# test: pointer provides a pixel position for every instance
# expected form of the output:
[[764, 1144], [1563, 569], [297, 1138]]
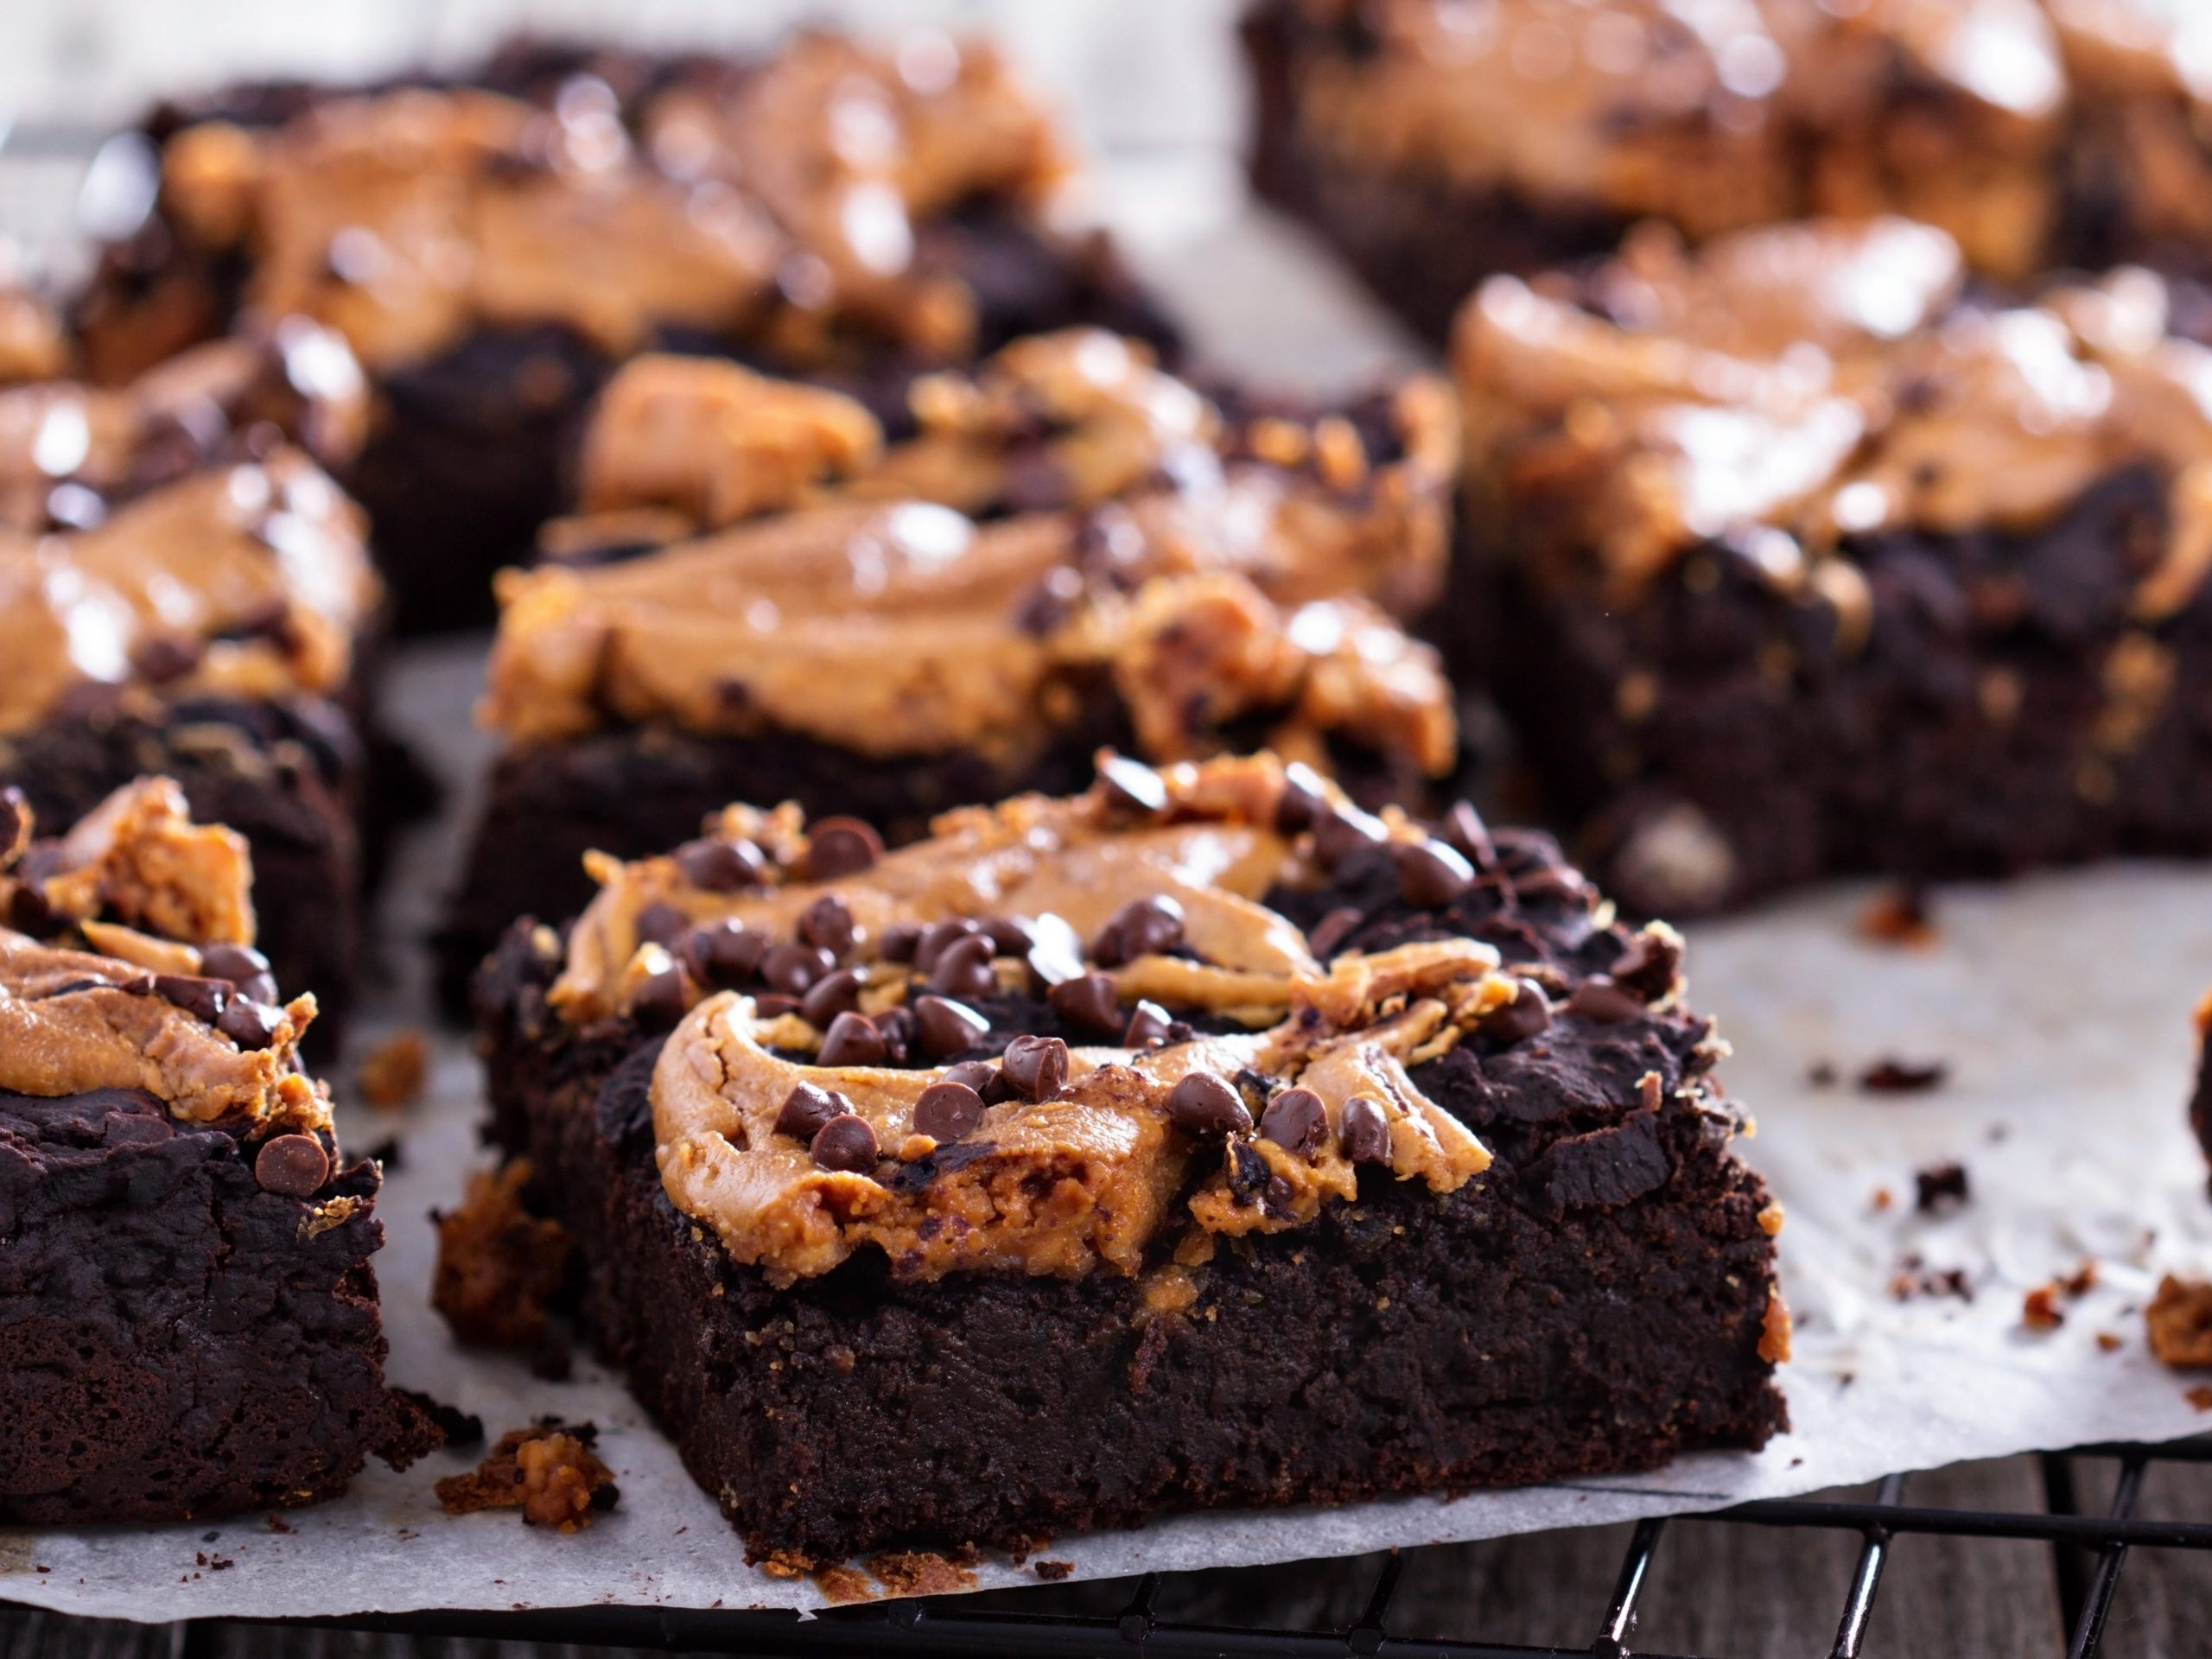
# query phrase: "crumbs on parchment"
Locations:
[[547, 1471]]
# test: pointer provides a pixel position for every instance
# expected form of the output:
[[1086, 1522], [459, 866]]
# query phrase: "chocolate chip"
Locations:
[[829, 996], [963, 969], [1527, 1015], [1430, 873], [716, 866], [936, 940], [28, 910], [204, 999], [773, 1005], [659, 924], [998, 1089], [1148, 1025], [852, 1039], [236, 962], [828, 922], [165, 657], [978, 1075], [1600, 1001], [847, 1143], [1131, 786], [249, 1024], [1014, 936], [723, 953], [1089, 1004], [943, 1027], [794, 969], [807, 1107], [1364, 1132], [897, 942], [1143, 927], [15, 824], [660, 1000], [1049, 601], [896, 1027], [1248, 1172], [1463, 829], [1033, 481], [1301, 800], [1332, 930], [838, 846], [1296, 1121], [1202, 1103], [948, 1111], [1340, 831], [1037, 1066], [291, 1166]]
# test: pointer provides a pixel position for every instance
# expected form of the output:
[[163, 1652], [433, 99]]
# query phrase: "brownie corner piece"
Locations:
[[1385, 1177], [189, 1323]]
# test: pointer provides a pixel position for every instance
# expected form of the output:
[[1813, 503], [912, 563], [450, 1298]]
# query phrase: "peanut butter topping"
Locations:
[[780, 203], [32, 345], [2143, 71], [796, 1133], [861, 599], [1788, 389], [139, 972]]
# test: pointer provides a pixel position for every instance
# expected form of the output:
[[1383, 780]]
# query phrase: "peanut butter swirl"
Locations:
[[848, 590], [1094, 1153], [780, 201], [1785, 390], [137, 970]]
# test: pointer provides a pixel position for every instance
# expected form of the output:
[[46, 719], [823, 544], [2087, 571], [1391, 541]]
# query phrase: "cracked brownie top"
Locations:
[[1202, 1058], [127, 962], [1066, 518]]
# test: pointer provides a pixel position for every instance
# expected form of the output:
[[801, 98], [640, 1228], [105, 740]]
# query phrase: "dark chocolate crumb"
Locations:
[[1891, 1076], [1939, 1184]]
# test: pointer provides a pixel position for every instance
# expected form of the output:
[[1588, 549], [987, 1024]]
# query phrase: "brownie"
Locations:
[[768, 598], [493, 244], [2200, 1104], [1793, 555], [188, 1318], [187, 592], [1202, 1141]]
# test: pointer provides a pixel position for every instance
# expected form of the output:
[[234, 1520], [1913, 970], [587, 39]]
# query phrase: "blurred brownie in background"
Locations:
[[1790, 556], [493, 244], [770, 598]]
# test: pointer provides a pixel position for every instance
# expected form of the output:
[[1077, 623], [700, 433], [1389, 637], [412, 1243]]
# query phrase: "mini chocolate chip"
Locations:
[[963, 969], [1600, 1001], [1430, 873], [1038, 1066], [948, 1111], [828, 922], [1143, 927], [896, 1027], [847, 1143], [291, 1166], [241, 964], [1277, 1198], [897, 942], [773, 1005], [249, 1024], [1463, 829], [1032, 480], [1247, 1170], [972, 1074], [998, 1088], [204, 999], [1049, 600], [1014, 936], [28, 910], [1148, 1025], [807, 1107], [1132, 786], [1089, 1004], [1364, 1132], [1296, 1121], [660, 999], [794, 969], [1340, 831], [165, 657], [838, 846], [935, 941], [15, 824], [852, 1039], [829, 996], [723, 953], [716, 866], [659, 924], [1527, 1015], [1301, 800], [1202, 1103], [944, 1027], [1332, 930]]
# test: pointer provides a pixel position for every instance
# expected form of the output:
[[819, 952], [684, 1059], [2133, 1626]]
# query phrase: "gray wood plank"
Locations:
[[2163, 1606], [51, 1636]]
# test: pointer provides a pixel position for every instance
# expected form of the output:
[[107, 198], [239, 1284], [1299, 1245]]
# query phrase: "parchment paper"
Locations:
[[2061, 1006]]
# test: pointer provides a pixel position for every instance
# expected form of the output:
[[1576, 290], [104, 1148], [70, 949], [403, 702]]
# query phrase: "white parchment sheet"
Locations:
[[2061, 1006]]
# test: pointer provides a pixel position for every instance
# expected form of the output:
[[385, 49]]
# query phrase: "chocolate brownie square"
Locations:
[[1202, 1141], [1799, 557], [771, 598], [184, 591], [493, 244], [189, 1321], [1433, 144]]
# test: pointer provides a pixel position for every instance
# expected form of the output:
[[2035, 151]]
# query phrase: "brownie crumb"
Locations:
[[2109, 1342], [1899, 916], [1940, 1186], [498, 1265], [547, 1471], [919, 1573], [390, 1153], [2180, 1321], [1891, 1076], [844, 1584], [462, 1430], [2039, 1309], [1053, 1572], [2200, 1396], [1881, 1200], [277, 1523], [1821, 1074], [1915, 1278], [392, 1073]]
